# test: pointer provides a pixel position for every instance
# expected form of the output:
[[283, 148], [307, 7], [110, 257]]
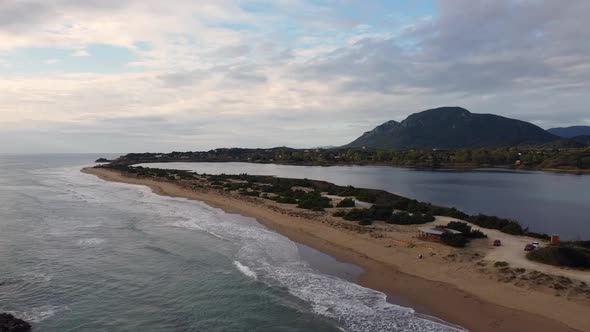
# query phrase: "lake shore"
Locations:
[[424, 167], [451, 290]]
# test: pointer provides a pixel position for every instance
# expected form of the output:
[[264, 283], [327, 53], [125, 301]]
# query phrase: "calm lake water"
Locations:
[[81, 254], [546, 202]]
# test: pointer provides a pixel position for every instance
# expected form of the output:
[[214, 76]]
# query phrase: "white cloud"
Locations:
[[79, 53], [212, 74]]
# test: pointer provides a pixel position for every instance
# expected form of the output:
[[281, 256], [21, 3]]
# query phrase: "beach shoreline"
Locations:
[[476, 305]]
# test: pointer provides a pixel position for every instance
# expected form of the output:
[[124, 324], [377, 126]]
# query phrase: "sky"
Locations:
[[186, 75]]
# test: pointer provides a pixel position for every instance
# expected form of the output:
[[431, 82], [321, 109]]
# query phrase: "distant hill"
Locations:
[[570, 132], [452, 128]]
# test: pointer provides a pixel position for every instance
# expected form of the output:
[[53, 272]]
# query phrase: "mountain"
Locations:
[[452, 128], [570, 132]]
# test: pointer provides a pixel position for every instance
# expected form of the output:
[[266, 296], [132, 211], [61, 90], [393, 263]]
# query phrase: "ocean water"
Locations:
[[545, 202], [81, 254]]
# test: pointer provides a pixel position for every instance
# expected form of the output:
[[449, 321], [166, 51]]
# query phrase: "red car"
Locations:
[[497, 243], [529, 247]]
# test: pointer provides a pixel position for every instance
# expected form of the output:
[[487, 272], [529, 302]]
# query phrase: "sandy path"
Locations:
[[512, 251]]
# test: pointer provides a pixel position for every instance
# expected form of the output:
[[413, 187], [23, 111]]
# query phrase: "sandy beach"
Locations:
[[458, 286]]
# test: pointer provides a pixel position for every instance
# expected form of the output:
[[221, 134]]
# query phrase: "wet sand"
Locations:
[[460, 297]]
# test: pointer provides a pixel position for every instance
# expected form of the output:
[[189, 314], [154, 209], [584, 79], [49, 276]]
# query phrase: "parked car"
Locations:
[[497, 243], [536, 245], [529, 247]]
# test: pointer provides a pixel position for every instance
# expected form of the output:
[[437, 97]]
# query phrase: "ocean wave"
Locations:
[[37, 277], [38, 314], [26, 279], [269, 257], [191, 224], [246, 270], [277, 263], [90, 242], [357, 308], [266, 256]]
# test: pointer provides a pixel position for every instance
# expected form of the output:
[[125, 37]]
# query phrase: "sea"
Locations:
[[81, 254]]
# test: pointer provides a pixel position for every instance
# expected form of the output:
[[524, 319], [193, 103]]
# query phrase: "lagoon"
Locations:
[[545, 202]]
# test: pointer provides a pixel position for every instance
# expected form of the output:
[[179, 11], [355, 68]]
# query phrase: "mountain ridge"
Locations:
[[570, 132], [452, 127]]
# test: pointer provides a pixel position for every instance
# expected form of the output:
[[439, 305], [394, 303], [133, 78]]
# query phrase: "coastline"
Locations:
[[474, 303]]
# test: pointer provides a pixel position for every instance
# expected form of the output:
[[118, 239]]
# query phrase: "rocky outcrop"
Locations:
[[9, 323]]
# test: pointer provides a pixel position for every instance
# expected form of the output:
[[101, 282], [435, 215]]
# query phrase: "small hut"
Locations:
[[435, 233]]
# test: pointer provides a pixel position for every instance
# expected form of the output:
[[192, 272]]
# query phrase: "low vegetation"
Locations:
[[314, 201], [347, 202], [552, 156], [568, 254], [504, 225], [466, 230], [408, 211], [253, 193], [404, 218], [386, 214], [461, 240], [454, 240]]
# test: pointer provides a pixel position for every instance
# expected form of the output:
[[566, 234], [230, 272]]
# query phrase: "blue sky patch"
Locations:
[[92, 59]]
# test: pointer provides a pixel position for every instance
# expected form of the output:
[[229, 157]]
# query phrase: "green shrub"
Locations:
[[346, 191], [347, 202], [565, 255], [358, 214], [466, 230], [339, 214], [504, 225], [366, 196], [501, 264], [459, 226], [253, 193], [285, 200], [381, 212], [314, 201], [512, 228], [454, 240], [404, 218]]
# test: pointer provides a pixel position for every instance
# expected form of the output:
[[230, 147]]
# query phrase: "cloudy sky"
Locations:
[[152, 75]]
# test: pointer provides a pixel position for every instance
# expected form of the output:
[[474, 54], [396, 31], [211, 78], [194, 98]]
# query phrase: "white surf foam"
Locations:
[[269, 257], [189, 223], [246, 270], [38, 314], [90, 242]]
